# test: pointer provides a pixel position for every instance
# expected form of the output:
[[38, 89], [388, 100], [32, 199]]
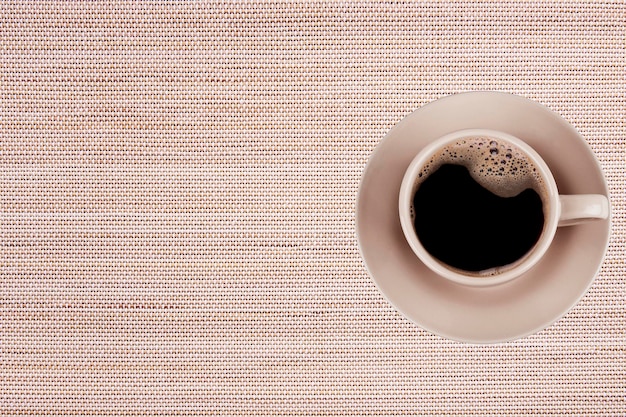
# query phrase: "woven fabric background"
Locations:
[[178, 184]]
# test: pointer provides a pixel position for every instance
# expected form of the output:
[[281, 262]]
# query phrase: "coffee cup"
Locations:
[[481, 207]]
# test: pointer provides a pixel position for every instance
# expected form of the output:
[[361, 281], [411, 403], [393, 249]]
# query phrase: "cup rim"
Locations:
[[525, 263]]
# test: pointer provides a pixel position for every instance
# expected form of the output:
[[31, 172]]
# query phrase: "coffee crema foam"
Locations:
[[498, 166]]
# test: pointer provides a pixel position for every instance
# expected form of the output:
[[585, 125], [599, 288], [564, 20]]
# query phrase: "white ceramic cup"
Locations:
[[563, 210]]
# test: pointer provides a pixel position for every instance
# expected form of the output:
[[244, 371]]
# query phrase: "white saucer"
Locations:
[[481, 314]]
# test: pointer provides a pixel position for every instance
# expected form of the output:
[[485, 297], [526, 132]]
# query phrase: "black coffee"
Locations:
[[476, 226]]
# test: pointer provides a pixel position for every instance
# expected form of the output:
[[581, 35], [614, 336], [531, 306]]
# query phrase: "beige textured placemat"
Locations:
[[178, 183]]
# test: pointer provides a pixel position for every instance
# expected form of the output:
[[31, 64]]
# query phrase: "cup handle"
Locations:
[[581, 208]]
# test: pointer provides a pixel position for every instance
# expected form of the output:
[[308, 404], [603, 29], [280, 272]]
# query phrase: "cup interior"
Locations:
[[423, 166]]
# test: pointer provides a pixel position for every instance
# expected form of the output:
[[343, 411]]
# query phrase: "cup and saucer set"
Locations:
[[446, 258]]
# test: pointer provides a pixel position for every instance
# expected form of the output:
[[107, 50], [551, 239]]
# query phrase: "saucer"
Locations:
[[503, 312]]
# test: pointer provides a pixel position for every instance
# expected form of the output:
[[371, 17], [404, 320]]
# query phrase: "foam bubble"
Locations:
[[497, 165]]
